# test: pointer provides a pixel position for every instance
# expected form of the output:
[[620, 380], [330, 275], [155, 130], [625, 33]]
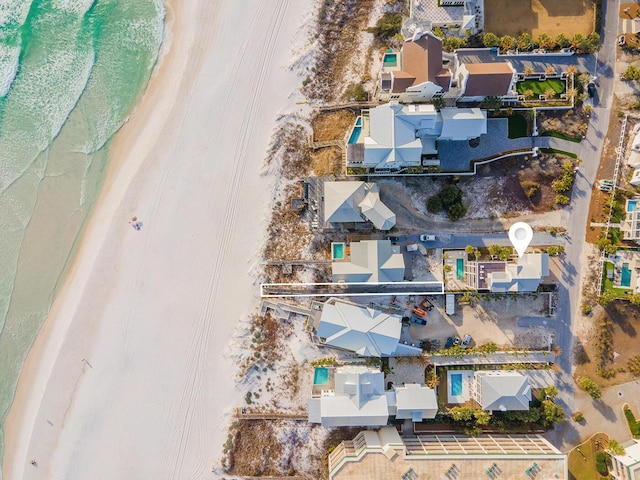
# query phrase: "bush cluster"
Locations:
[[581, 43], [450, 199], [590, 387]]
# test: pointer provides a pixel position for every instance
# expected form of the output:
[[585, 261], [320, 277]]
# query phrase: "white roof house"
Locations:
[[524, 276], [501, 390], [363, 330], [627, 466], [347, 202], [463, 123], [415, 402], [630, 226], [370, 261], [396, 136], [358, 399]]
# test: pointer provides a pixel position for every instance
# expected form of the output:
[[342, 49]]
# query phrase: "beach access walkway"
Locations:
[[243, 413], [353, 289]]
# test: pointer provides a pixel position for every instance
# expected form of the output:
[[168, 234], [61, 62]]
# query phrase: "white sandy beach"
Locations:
[[130, 376]]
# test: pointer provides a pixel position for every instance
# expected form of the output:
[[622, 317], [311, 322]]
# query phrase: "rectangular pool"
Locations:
[[632, 205], [321, 376], [625, 277], [460, 268], [355, 134], [455, 384], [337, 251], [390, 60]]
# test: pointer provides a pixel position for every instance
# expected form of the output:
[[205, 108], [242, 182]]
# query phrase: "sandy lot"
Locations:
[[505, 17]]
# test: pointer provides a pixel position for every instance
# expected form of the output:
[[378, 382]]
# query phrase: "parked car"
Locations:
[[466, 340], [622, 40], [427, 238], [412, 247], [456, 340], [418, 320], [591, 89], [449, 343]]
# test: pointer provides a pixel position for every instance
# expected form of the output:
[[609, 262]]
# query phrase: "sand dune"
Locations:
[[130, 376]]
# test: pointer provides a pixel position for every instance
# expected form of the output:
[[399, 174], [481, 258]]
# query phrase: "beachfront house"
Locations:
[[354, 395], [353, 205], [627, 466], [525, 275], [393, 137], [384, 454], [630, 226], [355, 328], [367, 261], [500, 390], [455, 17], [416, 73], [480, 80]]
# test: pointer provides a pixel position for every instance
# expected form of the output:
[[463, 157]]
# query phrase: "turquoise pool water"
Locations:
[[460, 268], [321, 376], [455, 384], [625, 277], [359, 122], [355, 134], [632, 205], [390, 60], [338, 250]]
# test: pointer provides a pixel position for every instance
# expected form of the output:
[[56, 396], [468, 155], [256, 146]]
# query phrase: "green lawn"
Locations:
[[517, 126], [634, 425], [608, 282], [564, 136], [582, 459], [539, 87]]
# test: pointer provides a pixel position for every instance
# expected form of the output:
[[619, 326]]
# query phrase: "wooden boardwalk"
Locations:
[[248, 415]]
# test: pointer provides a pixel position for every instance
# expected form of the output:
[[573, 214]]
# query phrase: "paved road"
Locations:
[[590, 151], [461, 240]]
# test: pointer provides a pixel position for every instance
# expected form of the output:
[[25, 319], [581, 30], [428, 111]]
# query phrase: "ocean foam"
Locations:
[[78, 7], [9, 62], [13, 13]]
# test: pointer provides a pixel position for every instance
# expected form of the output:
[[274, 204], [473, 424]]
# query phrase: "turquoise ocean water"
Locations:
[[70, 73]]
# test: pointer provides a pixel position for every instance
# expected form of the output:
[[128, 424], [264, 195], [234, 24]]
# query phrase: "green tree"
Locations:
[[524, 42], [615, 448], [593, 41], [554, 250], [562, 200], [507, 43], [551, 391], [562, 41], [492, 103], [632, 73], [387, 26], [453, 43], [439, 103], [462, 413], [601, 463], [434, 204], [546, 42], [489, 347], [635, 299], [494, 249], [456, 211], [450, 194], [468, 249], [590, 387], [482, 417], [551, 413], [505, 253], [490, 40], [607, 297]]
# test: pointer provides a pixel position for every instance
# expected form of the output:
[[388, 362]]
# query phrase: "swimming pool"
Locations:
[[632, 205], [321, 376], [455, 384], [337, 251], [625, 277], [460, 268], [355, 134], [390, 60]]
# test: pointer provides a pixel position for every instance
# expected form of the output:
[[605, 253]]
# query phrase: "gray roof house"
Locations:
[[370, 261], [363, 330], [501, 390], [356, 202], [396, 136], [524, 276], [358, 399]]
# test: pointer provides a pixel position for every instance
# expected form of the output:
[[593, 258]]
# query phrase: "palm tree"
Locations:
[[528, 93], [549, 93], [550, 70], [572, 70], [572, 93], [528, 71]]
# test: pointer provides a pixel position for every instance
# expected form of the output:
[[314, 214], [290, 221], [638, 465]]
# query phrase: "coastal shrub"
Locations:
[[601, 463], [530, 188], [387, 26], [578, 417], [615, 448], [434, 204], [554, 250], [633, 365], [590, 387], [456, 211], [634, 426], [355, 91]]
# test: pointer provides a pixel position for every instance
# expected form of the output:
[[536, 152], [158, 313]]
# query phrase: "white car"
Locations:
[[427, 238]]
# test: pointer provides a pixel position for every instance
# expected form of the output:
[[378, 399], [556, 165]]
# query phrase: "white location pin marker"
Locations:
[[520, 235]]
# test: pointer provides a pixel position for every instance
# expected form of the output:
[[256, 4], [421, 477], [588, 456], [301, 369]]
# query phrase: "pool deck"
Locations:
[[467, 376], [633, 260]]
